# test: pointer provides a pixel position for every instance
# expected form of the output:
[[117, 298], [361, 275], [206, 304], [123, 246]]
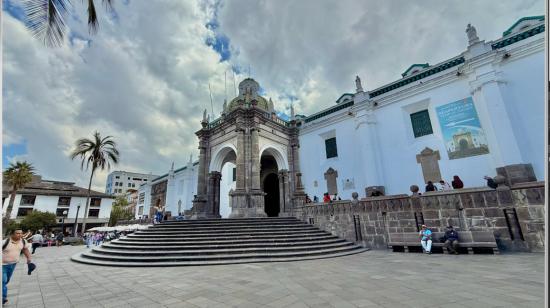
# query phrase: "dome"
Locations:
[[248, 95]]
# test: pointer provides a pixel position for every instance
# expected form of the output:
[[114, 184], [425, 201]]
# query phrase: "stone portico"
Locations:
[[263, 147]]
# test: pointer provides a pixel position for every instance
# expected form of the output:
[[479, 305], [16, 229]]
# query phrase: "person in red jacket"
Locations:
[[457, 182]]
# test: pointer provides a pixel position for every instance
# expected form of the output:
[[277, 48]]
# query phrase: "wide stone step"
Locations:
[[229, 227], [267, 242], [221, 246], [104, 262], [214, 257], [234, 238], [230, 221], [227, 234], [220, 250], [225, 230]]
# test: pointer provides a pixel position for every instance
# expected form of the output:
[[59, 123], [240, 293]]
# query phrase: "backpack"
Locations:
[[5, 244]]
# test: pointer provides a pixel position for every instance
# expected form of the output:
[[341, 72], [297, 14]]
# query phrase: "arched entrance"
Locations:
[[270, 184], [221, 180], [271, 190]]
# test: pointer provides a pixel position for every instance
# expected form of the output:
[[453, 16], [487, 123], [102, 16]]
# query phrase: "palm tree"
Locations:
[[16, 176], [46, 19], [99, 153]]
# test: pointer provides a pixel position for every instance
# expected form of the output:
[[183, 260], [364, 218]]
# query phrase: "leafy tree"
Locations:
[[16, 176], [120, 211], [11, 226], [46, 19], [97, 152], [37, 220]]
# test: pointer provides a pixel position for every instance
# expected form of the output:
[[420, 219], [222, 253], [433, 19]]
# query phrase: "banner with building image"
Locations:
[[461, 129]]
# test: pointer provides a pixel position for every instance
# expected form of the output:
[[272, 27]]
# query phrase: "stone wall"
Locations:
[[516, 215]]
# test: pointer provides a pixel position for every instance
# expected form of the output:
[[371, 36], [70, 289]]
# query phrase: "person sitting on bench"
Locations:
[[451, 240], [426, 239]]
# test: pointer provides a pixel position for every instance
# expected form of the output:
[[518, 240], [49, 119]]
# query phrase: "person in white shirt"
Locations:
[[36, 240], [444, 185]]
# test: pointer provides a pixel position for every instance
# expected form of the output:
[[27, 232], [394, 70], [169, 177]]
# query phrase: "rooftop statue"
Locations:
[[472, 34]]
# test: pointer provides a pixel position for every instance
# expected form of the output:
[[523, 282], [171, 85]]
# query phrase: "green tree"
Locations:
[[10, 227], [99, 153], [120, 211], [37, 220], [16, 176], [46, 19]]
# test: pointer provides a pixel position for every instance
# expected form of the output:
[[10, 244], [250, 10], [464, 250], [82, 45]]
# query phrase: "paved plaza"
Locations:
[[370, 279]]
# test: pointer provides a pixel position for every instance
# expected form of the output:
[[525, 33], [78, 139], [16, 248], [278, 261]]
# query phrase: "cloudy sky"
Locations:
[[144, 77]]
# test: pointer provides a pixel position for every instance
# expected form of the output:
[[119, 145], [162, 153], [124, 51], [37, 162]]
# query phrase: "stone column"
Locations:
[[284, 200], [199, 209], [214, 194], [255, 160], [494, 118], [365, 126], [240, 161]]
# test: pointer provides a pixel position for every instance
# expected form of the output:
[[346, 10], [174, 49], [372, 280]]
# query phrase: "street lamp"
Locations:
[[63, 221], [76, 220]]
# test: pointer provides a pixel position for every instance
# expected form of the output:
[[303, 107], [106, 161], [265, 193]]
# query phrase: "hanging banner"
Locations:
[[461, 129]]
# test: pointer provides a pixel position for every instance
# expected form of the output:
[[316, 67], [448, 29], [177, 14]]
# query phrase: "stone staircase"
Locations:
[[220, 241]]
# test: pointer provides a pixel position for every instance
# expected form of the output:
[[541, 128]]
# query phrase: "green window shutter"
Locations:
[[421, 123], [331, 149]]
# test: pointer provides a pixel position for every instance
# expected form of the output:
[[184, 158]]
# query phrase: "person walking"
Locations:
[[457, 182], [59, 239], [451, 240], [426, 239], [37, 240], [12, 248]]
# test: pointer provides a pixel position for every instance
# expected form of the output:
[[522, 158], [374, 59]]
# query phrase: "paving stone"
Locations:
[[371, 279]]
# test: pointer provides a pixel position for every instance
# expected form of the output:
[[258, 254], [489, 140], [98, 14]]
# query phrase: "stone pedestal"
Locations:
[[369, 190], [517, 173], [200, 210], [247, 204]]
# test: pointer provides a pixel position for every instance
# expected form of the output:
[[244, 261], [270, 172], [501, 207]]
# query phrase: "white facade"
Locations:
[[118, 182], [502, 81], [61, 198], [50, 204], [375, 141], [181, 187]]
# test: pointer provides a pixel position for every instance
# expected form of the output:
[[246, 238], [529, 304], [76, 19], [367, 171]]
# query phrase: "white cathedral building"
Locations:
[[476, 114]]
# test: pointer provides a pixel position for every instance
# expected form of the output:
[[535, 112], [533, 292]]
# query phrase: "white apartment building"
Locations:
[[119, 182]]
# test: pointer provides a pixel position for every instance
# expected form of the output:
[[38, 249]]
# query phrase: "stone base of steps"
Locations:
[[80, 259], [241, 244], [220, 241]]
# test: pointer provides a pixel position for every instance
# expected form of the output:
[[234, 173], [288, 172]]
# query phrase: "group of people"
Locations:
[[456, 183], [327, 198], [97, 238], [450, 239]]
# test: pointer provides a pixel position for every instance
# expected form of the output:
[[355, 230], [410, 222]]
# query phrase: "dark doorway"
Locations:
[[271, 188]]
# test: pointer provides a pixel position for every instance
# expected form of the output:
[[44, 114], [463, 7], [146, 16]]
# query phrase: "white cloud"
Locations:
[[144, 77]]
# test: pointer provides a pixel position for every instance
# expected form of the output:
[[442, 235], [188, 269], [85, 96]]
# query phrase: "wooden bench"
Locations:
[[466, 239]]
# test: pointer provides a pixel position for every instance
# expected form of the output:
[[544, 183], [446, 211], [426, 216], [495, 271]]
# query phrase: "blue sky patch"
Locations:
[[220, 43], [14, 9], [12, 150]]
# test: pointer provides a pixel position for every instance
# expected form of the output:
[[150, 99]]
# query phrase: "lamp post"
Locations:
[[76, 220], [63, 222]]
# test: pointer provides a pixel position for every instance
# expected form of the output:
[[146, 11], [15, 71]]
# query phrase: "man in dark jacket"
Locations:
[[451, 240]]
